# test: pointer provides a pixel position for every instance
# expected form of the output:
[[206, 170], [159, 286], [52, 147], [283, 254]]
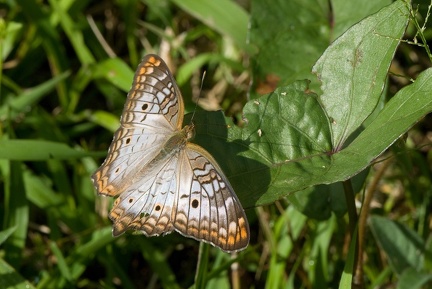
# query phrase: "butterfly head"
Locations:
[[189, 131]]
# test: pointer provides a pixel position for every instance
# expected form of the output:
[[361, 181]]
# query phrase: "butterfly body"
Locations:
[[163, 181]]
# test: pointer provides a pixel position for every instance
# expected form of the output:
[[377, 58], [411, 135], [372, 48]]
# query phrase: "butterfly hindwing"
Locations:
[[207, 207], [148, 205]]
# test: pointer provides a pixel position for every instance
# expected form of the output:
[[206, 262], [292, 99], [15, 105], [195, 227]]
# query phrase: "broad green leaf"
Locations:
[[354, 68], [348, 12], [289, 36], [320, 201], [286, 145], [289, 133], [406, 108], [269, 153], [404, 247], [224, 16]]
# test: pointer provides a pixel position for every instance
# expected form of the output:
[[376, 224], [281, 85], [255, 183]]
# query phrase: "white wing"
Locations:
[[152, 113], [165, 183]]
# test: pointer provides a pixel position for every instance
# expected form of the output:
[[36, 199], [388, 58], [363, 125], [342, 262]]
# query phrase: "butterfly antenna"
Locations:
[[199, 95]]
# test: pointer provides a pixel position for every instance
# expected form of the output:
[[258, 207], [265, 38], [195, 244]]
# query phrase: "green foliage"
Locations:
[[296, 152]]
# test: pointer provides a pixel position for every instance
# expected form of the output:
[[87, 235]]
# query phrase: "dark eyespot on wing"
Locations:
[[195, 203]]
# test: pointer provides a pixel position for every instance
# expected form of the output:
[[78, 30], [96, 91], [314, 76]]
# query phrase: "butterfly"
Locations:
[[163, 182]]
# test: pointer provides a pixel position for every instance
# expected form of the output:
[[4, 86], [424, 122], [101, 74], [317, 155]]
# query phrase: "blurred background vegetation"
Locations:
[[66, 69]]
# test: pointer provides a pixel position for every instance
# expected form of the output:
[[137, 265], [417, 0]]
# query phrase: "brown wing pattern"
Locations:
[[207, 207]]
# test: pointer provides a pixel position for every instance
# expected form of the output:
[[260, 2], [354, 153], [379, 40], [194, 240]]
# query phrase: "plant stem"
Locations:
[[350, 201], [352, 218], [364, 213]]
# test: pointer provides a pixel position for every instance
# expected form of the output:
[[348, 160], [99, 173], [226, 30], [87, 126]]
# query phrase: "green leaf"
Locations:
[[347, 275], [9, 31], [38, 150], [202, 266], [30, 96], [281, 246], [115, 71], [61, 262], [6, 233], [320, 201], [16, 210], [105, 119], [413, 279], [406, 108], [403, 247], [286, 145], [74, 33], [39, 193], [290, 36], [10, 278], [348, 12], [224, 16], [189, 68], [354, 68], [36, 14], [263, 156], [157, 260]]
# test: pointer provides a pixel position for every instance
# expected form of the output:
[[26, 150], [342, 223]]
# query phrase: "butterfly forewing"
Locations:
[[154, 94], [153, 111], [164, 182]]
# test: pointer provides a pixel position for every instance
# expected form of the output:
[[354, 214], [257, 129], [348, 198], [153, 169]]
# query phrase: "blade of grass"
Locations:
[[202, 267], [10, 278], [16, 211], [40, 150], [31, 96], [61, 262], [347, 275]]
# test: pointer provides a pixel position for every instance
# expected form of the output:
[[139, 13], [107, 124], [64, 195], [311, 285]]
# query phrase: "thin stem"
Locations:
[[352, 216], [364, 213], [350, 201]]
